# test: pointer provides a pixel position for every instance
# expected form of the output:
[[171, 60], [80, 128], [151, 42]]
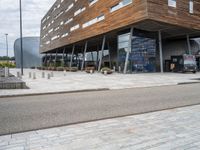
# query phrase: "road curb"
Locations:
[[182, 83], [52, 93]]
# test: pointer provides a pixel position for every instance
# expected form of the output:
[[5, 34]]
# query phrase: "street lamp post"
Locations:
[[7, 46], [21, 40]]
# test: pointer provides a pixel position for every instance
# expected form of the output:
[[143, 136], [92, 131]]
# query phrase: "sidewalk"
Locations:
[[82, 81], [176, 129]]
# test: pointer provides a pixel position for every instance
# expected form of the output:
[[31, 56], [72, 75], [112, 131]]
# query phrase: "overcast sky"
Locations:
[[33, 11]]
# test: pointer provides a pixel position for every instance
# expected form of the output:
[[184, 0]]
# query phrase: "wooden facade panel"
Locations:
[[160, 11], [139, 10], [125, 16]]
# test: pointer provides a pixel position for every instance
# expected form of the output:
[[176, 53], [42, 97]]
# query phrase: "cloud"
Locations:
[[33, 11]]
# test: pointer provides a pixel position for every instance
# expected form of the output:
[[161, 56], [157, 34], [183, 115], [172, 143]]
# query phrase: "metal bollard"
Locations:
[[91, 71], [52, 74], [43, 74], [34, 75], [64, 72], [6, 72], [119, 69], [48, 76], [30, 75], [114, 69], [19, 75]]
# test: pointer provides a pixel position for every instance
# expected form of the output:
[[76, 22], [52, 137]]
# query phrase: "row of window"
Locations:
[[91, 2], [172, 3], [101, 17], [121, 4], [87, 24]]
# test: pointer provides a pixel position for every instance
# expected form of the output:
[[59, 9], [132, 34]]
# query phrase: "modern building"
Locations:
[[31, 55], [137, 35]]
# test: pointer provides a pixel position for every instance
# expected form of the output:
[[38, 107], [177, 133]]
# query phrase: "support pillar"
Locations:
[[50, 59], [84, 53], [45, 60], [92, 56], [102, 50], [56, 58], [63, 56], [189, 46], [128, 51], [161, 51], [97, 60], [110, 65], [70, 65]]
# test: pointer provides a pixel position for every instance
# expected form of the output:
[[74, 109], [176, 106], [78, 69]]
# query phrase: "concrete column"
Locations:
[[97, 62], [50, 59], [92, 56], [84, 53], [188, 43], [110, 65], [102, 50], [161, 51], [128, 51], [72, 56], [56, 58], [45, 60], [63, 56]]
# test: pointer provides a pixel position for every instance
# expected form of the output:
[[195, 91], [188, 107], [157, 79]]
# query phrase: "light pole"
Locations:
[[21, 40], [7, 46]]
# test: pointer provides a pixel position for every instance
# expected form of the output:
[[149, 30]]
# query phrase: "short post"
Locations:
[[6, 72], [30, 75], [34, 75], [52, 74], [64, 72], [19, 75], [43, 74], [91, 71], [119, 69], [114, 69], [48, 76]]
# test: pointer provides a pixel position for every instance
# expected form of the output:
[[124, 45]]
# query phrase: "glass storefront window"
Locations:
[[143, 53]]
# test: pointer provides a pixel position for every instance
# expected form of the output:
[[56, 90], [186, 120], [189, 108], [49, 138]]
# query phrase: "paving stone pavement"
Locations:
[[175, 129], [73, 81]]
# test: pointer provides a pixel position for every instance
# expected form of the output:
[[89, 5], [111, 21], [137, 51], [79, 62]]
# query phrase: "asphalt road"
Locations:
[[36, 112]]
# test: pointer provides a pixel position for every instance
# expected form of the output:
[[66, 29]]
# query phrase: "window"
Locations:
[[68, 21], [48, 42], [75, 27], [55, 37], [93, 21], [69, 7], [122, 4], [172, 3], [51, 30], [91, 2], [79, 11], [191, 6], [65, 34]]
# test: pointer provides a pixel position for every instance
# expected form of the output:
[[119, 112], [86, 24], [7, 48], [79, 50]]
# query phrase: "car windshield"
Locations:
[[189, 62]]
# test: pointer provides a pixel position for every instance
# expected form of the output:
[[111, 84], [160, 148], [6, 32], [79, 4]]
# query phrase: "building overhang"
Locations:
[[168, 31]]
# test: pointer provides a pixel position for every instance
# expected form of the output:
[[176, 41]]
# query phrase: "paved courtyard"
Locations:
[[83, 81], [175, 129]]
